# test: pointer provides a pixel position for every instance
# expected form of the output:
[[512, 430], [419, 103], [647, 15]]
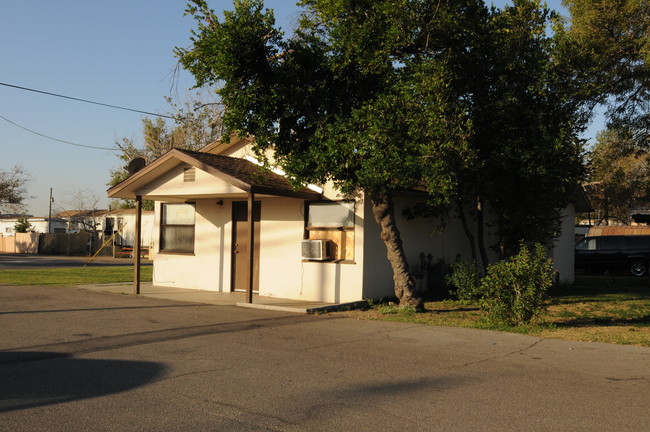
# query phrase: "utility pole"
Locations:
[[49, 216]]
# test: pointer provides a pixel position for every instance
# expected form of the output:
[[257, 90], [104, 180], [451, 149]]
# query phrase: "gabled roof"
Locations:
[[241, 173]]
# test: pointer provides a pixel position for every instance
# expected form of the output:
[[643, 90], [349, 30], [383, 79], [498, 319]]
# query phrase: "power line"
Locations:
[[84, 100], [56, 139]]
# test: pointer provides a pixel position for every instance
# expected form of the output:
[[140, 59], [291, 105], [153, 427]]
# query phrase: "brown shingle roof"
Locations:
[[259, 179]]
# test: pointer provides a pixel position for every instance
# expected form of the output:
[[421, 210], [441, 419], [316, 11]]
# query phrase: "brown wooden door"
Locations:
[[240, 239]]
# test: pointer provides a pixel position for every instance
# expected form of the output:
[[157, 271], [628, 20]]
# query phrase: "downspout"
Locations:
[[136, 246]]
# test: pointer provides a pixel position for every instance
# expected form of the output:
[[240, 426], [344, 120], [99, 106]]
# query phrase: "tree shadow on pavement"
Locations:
[[32, 379]]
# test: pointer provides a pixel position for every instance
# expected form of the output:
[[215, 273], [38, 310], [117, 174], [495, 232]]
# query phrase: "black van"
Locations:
[[603, 253]]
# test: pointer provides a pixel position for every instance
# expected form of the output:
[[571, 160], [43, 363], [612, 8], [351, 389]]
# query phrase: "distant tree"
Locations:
[[607, 45], [619, 175], [83, 211], [13, 187], [23, 226], [195, 124]]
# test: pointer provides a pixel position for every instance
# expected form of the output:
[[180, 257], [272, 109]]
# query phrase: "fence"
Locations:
[[77, 244], [20, 243]]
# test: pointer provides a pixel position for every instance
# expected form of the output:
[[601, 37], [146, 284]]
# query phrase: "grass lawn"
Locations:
[[596, 309], [65, 276]]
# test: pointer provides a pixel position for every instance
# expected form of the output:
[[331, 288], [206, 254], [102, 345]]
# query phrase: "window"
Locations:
[[177, 228], [587, 244], [610, 243], [333, 221], [639, 242]]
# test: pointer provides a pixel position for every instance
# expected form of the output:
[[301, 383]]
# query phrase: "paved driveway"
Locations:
[[77, 360]]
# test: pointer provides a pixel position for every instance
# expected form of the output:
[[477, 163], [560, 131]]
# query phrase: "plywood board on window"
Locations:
[[342, 242]]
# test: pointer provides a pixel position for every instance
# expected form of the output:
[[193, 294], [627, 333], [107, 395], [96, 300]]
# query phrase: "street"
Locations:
[[77, 360], [18, 261]]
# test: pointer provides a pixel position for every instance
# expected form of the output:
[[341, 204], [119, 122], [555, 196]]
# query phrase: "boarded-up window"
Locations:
[[333, 221]]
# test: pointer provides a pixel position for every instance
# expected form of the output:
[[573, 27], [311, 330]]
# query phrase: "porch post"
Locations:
[[136, 246], [251, 248]]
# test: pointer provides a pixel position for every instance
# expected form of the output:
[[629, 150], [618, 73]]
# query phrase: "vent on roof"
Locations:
[[189, 174]]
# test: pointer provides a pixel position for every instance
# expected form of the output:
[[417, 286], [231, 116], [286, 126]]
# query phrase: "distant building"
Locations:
[[82, 220], [39, 224]]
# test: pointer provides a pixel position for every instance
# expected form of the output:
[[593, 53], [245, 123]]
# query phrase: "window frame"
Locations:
[[164, 226], [331, 232]]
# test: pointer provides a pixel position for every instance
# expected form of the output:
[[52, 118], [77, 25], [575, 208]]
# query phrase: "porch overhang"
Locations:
[[240, 178]]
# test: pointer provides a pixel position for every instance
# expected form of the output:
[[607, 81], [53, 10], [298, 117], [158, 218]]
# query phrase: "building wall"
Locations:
[[444, 241], [39, 225], [563, 253], [209, 267], [126, 236], [283, 273]]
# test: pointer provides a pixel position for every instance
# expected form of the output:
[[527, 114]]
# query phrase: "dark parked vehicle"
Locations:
[[614, 253]]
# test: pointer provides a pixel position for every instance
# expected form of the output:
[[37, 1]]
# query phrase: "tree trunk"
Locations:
[[383, 209], [468, 232], [480, 222]]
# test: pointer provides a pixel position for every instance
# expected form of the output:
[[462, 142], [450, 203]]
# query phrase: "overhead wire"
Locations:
[[84, 100], [75, 99], [56, 139]]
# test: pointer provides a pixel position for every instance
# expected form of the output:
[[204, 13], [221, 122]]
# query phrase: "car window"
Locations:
[[608, 243], [587, 244], [641, 242]]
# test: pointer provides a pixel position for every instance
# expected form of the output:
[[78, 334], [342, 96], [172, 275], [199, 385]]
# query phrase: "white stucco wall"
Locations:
[[283, 273], [336, 282], [420, 235], [563, 253], [208, 268]]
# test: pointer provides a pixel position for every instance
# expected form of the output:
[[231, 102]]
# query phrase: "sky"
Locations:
[[117, 52]]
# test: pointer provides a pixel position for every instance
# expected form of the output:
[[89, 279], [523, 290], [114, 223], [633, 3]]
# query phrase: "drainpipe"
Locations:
[[136, 246]]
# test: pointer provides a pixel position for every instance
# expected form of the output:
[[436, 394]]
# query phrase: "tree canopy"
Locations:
[[387, 95], [619, 176], [526, 119], [607, 43]]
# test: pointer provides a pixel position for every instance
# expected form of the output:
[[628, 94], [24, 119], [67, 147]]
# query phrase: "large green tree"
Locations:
[[526, 114], [607, 44], [359, 95], [526, 117], [387, 95]]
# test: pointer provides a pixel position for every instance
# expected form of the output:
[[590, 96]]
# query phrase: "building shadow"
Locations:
[[33, 379]]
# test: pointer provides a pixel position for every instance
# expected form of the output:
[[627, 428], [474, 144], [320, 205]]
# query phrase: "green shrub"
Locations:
[[466, 277], [515, 291]]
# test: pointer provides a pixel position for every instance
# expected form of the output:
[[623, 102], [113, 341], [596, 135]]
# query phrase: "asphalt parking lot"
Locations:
[[73, 359]]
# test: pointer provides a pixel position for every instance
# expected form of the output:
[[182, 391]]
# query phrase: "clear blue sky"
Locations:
[[117, 52]]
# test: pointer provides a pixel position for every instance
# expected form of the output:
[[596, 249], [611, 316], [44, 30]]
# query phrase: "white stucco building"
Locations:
[[201, 232]]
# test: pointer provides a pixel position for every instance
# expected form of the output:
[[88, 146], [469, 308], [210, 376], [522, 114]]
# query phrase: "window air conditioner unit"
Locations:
[[318, 250]]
